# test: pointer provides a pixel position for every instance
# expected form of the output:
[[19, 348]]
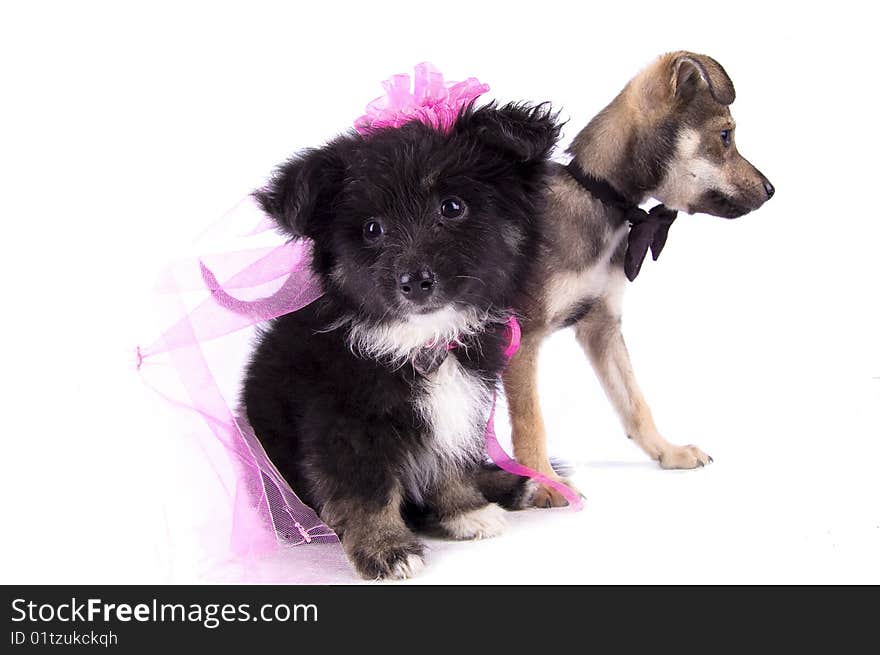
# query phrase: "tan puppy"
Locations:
[[668, 135]]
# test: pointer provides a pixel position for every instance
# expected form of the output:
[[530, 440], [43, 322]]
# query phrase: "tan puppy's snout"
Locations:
[[758, 189], [741, 189]]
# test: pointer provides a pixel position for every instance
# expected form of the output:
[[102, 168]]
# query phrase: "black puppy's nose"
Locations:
[[417, 286], [769, 188]]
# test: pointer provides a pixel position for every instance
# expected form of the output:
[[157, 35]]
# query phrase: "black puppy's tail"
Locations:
[[509, 490]]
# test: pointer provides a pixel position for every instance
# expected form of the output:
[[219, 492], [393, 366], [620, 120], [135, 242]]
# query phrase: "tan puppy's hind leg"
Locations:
[[529, 436], [599, 335]]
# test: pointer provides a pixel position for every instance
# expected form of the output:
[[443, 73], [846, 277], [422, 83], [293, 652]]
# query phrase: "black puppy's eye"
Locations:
[[452, 208], [373, 230], [725, 137]]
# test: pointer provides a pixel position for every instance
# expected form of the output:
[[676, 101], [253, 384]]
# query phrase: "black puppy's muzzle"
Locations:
[[417, 286]]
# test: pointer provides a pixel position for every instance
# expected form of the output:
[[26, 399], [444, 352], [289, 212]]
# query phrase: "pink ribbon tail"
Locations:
[[505, 461]]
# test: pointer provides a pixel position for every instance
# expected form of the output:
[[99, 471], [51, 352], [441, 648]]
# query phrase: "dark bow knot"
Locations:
[[648, 229]]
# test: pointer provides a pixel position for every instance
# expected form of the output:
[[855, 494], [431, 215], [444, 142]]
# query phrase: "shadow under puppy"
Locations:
[[372, 401]]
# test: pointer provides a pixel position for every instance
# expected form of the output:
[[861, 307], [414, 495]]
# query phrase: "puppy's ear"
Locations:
[[526, 132], [301, 191], [692, 73]]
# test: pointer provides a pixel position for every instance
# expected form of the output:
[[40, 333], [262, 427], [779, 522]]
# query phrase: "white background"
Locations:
[[125, 130]]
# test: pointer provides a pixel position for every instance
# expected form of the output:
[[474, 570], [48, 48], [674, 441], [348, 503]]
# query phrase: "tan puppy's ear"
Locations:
[[692, 73]]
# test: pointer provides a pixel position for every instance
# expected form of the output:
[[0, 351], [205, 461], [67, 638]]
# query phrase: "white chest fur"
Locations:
[[599, 280], [454, 406]]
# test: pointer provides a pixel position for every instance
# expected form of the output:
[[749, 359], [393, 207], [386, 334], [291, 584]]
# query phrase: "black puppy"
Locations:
[[373, 400]]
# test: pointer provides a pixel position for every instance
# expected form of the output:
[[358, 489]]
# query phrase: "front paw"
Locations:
[[545, 497], [482, 523], [387, 560], [683, 457]]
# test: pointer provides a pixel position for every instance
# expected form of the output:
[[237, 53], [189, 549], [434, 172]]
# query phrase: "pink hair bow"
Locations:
[[429, 100]]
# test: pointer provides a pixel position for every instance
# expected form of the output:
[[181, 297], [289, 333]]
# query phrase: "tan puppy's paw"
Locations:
[[545, 497], [683, 457]]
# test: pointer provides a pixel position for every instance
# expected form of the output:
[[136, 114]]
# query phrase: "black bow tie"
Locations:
[[648, 229]]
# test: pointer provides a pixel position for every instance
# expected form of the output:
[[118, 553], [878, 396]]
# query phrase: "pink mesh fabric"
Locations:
[[430, 100], [258, 285]]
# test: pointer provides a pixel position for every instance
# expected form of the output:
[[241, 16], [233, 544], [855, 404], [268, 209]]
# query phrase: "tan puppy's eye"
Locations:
[[726, 137]]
